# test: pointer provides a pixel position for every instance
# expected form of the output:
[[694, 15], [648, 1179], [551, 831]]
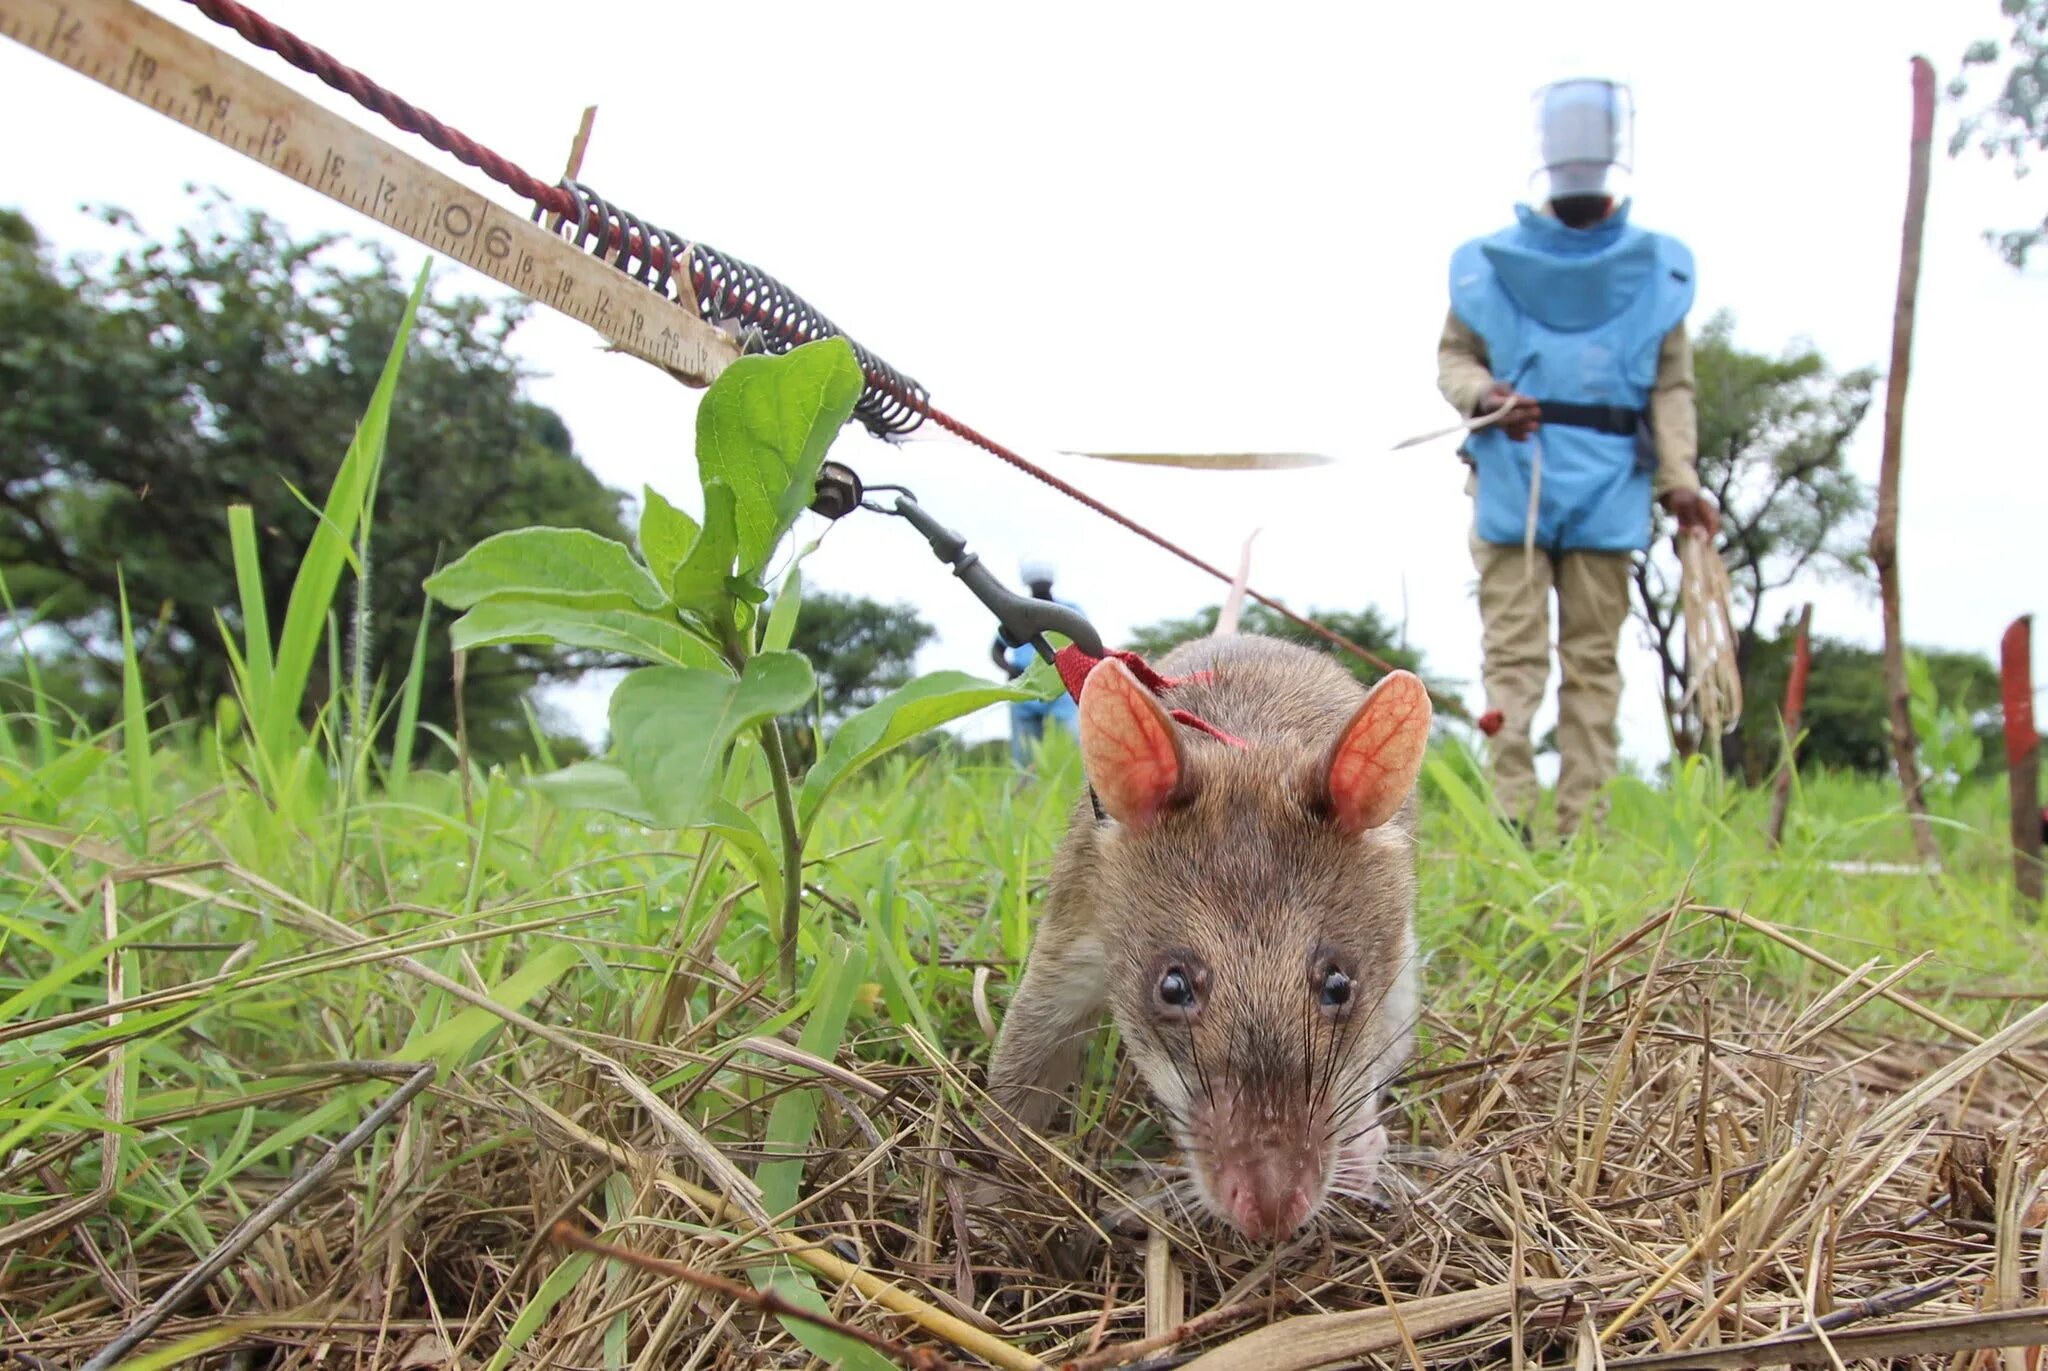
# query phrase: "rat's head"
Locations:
[[1259, 917]]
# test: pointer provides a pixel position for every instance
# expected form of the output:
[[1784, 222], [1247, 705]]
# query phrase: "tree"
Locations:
[[1846, 721], [1366, 627], [2014, 124], [860, 649], [1773, 450], [229, 365]]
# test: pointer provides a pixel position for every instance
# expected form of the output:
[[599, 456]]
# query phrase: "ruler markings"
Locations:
[[132, 51]]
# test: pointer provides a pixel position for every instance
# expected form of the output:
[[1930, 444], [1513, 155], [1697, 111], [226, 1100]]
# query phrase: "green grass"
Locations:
[[216, 863], [283, 915]]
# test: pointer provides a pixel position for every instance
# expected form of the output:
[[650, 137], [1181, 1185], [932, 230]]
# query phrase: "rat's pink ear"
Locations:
[[1128, 745], [1379, 756]]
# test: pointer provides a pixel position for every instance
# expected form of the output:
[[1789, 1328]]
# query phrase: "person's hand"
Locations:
[[1694, 509], [1521, 421]]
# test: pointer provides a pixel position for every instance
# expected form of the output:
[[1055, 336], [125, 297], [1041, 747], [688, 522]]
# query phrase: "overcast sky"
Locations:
[[1196, 228]]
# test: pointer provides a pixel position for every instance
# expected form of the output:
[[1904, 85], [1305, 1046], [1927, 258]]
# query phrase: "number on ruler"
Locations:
[[209, 103]]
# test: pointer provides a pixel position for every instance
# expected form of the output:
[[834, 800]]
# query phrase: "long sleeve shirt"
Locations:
[[1464, 376]]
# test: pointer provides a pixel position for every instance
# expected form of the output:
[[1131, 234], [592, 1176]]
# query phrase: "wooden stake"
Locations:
[[582, 141], [2022, 761], [1884, 535], [1795, 705], [574, 167]]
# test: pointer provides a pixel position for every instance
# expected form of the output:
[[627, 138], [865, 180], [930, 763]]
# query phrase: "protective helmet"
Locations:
[[1585, 138], [1035, 570]]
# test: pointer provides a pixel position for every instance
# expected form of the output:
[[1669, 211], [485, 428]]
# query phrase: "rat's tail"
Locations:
[[1233, 603]]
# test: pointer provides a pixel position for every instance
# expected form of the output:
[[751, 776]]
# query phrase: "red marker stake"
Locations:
[[2022, 762]]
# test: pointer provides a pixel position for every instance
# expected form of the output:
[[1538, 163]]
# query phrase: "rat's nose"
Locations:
[[1267, 1194]]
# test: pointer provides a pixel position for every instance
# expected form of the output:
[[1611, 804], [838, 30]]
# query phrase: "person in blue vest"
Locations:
[[1567, 331], [1027, 717]]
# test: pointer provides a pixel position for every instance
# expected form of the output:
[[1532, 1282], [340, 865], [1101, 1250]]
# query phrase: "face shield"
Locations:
[[1585, 132]]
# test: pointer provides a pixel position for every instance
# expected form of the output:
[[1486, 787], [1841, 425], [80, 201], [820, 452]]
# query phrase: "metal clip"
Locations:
[[1021, 618]]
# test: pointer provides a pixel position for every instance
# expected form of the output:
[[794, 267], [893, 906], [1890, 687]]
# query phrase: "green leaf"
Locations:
[[193, 1348], [666, 534], [535, 1312], [671, 726], [1041, 680], [454, 1040], [249, 583], [134, 716], [764, 427], [893, 720], [698, 584], [407, 730], [794, 1118], [276, 719], [653, 636], [756, 849], [781, 625], [594, 785], [567, 566], [1920, 681]]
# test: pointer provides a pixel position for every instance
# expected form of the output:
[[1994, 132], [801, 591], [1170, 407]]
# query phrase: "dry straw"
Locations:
[[1657, 1166]]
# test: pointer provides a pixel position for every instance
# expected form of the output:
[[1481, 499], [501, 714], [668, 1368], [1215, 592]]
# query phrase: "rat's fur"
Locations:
[[1247, 879]]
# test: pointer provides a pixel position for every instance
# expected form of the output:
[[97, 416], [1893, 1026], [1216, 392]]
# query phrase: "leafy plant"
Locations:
[[1950, 746], [154, 390], [2012, 124], [687, 605]]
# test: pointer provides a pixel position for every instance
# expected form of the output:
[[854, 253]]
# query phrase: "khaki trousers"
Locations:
[[1514, 611]]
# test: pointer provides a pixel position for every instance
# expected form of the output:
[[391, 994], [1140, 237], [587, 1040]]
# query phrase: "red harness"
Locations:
[[1074, 666]]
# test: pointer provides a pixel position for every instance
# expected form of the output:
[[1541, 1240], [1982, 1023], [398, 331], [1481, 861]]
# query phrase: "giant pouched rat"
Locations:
[[1245, 913]]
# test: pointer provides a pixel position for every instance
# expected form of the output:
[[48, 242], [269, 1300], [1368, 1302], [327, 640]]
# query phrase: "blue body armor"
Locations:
[[1574, 316]]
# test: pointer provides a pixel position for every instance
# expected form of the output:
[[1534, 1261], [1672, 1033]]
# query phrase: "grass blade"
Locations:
[[134, 717], [319, 577]]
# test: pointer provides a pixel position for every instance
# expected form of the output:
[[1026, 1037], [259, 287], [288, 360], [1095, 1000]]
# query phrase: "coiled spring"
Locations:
[[732, 295]]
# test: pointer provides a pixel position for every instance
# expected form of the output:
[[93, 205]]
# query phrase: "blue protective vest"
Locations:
[[1575, 316]]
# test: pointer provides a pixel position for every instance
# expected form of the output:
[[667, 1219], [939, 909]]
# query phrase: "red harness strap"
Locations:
[[1074, 666]]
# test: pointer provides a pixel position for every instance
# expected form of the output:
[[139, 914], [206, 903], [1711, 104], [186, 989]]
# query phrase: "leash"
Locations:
[[1477, 421], [1473, 425], [581, 254], [1020, 619]]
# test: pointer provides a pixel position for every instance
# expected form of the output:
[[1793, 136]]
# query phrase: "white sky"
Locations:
[[1189, 227]]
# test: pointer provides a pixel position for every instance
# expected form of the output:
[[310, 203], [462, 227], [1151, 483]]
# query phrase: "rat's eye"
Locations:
[[1335, 989], [1177, 989]]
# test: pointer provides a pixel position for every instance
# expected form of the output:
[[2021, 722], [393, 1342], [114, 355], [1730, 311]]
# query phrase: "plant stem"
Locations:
[[792, 850], [737, 651]]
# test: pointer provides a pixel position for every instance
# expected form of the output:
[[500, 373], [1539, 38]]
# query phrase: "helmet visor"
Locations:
[[1585, 131]]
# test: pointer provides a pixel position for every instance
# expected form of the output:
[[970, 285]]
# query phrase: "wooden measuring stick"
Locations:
[[133, 52]]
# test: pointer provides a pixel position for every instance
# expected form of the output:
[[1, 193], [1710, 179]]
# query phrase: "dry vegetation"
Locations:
[[312, 1056], [1648, 1160]]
